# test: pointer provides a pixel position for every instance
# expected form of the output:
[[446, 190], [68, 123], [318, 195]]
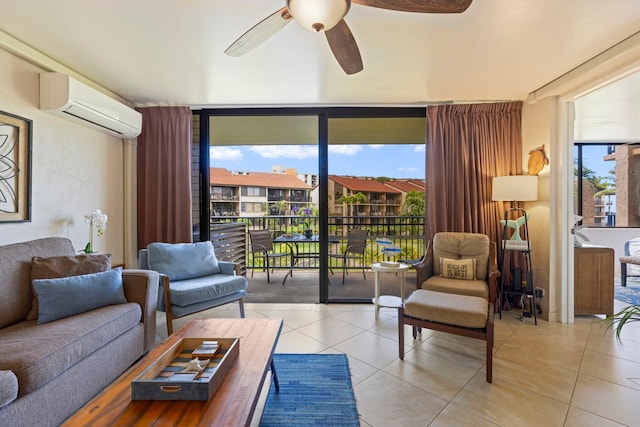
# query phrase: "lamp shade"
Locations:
[[318, 15], [519, 188]]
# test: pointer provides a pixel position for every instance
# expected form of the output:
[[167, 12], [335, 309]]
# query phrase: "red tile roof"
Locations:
[[405, 185], [368, 185], [221, 176]]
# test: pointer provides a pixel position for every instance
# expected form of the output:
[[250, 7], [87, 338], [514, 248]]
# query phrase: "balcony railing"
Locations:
[[405, 232]]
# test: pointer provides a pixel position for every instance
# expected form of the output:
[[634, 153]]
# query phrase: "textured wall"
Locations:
[[75, 170]]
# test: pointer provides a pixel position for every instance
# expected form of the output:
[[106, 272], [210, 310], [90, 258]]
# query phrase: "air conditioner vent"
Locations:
[[65, 96]]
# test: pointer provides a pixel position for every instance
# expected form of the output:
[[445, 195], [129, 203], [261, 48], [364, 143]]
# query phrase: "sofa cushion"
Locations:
[[183, 260], [464, 269], [8, 387], [200, 289], [65, 266], [16, 294], [67, 296], [477, 288], [38, 353], [457, 310]]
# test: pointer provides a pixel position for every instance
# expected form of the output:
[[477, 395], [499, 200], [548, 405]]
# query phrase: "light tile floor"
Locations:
[[551, 374]]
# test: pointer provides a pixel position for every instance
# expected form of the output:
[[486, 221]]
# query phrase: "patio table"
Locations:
[[294, 241]]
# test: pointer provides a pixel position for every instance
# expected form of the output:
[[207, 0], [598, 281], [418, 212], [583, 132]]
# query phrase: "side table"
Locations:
[[388, 300]]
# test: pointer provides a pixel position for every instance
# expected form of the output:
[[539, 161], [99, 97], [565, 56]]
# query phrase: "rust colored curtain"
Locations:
[[164, 176], [467, 145]]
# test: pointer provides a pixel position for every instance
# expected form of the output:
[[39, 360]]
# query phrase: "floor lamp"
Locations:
[[515, 188]]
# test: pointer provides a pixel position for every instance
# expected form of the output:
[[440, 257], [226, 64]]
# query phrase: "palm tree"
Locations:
[[282, 206], [351, 200], [413, 204]]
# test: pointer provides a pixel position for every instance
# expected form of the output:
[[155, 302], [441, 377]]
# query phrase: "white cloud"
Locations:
[[375, 146], [286, 151], [347, 150], [420, 148], [403, 169], [225, 153]]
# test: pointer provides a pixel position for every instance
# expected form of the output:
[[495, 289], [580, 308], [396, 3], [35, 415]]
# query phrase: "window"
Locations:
[[222, 193], [250, 207], [604, 184], [254, 191]]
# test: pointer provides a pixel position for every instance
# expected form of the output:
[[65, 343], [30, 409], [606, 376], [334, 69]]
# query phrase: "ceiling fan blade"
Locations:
[[260, 32], [344, 48], [420, 6]]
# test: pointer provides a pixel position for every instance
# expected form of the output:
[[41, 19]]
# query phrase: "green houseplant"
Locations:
[[628, 314]]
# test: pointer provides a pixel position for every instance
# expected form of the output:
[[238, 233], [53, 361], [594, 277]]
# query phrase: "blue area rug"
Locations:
[[629, 294], [315, 390]]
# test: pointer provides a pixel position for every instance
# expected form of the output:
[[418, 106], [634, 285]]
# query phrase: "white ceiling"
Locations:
[[159, 52]]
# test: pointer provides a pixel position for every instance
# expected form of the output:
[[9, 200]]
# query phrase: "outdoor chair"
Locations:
[[192, 279], [261, 247], [631, 256], [455, 291], [354, 251]]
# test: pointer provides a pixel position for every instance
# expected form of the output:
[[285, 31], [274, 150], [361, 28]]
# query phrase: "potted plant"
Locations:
[[97, 219]]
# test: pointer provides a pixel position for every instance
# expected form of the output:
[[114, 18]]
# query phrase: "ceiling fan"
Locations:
[[327, 16]]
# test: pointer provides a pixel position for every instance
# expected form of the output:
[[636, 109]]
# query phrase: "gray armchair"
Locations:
[[192, 279]]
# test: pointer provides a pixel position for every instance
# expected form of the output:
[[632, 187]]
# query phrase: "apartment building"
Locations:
[[382, 197], [619, 208], [284, 190], [254, 193]]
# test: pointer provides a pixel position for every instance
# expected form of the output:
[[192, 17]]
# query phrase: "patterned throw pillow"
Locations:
[[464, 269], [65, 266]]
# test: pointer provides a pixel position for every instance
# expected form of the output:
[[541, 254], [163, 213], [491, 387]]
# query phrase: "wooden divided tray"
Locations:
[[165, 380]]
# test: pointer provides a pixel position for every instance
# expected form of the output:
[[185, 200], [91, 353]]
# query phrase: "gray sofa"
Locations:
[[49, 369]]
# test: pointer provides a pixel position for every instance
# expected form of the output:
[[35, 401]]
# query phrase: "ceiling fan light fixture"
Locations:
[[318, 15]]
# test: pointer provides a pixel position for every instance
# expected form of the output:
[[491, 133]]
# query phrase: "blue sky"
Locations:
[[393, 161], [593, 158]]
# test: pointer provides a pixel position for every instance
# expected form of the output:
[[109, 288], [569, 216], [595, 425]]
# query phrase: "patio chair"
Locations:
[[631, 256], [356, 245], [261, 247], [192, 279]]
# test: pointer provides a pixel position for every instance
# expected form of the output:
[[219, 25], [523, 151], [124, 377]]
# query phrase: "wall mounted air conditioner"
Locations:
[[67, 97]]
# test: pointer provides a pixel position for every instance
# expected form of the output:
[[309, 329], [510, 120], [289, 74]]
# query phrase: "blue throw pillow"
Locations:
[[67, 296], [182, 261]]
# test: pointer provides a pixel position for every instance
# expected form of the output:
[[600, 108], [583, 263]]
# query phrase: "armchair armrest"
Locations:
[[141, 286], [257, 247], [229, 267], [494, 273], [8, 387], [424, 269]]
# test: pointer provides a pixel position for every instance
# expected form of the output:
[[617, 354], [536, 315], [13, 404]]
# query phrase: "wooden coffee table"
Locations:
[[233, 404]]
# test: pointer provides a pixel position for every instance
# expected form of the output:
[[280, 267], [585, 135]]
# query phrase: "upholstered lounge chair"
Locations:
[[456, 290], [192, 279]]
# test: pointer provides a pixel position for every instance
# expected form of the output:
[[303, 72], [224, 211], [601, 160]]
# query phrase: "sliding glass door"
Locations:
[[292, 170]]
